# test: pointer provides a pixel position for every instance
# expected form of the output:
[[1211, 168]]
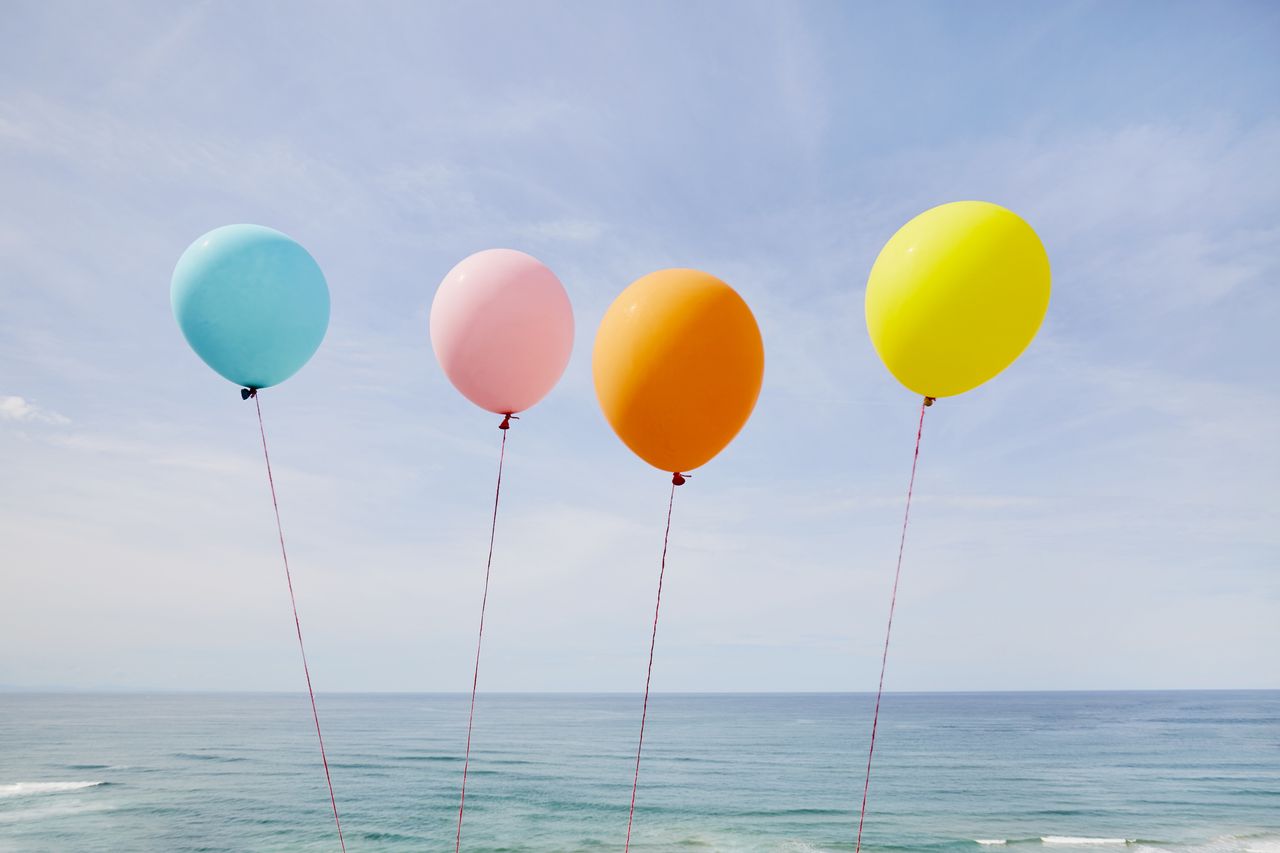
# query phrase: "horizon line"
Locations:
[[22, 690]]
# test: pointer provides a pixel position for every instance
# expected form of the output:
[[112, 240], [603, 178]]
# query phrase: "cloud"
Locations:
[[19, 409]]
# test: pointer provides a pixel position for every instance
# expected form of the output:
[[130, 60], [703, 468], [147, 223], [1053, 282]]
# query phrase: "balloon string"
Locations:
[[893, 600], [297, 624], [676, 480], [475, 677]]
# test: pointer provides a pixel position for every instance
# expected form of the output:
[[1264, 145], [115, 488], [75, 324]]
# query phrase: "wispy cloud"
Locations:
[[21, 410]]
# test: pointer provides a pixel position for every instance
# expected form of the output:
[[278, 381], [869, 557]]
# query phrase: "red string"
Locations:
[[676, 480], [884, 657], [475, 678], [296, 623]]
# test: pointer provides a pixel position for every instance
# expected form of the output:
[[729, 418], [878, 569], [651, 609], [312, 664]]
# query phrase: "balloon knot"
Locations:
[[929, 401], [248, 393], [506, 421], [677, 479]]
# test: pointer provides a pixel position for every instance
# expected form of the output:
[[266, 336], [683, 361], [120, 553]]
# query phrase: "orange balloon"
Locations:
[[678, 364]]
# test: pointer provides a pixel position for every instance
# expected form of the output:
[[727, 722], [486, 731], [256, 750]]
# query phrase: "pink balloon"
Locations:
[[502, 328]]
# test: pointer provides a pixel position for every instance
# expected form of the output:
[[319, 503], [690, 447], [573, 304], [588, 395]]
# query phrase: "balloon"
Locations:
[[251, 302], [502, 329], [956, 295], [678, 363]]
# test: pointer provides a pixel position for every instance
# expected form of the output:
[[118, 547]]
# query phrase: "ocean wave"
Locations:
[[1261, 843], [1082, 841], [35, 811], [208, 756], [1264, 842], [27, 789], [1055, 841]]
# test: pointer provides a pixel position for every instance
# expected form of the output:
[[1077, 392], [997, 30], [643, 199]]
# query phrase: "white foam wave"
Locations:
[[1081, 841], [1264, 842], [27, 789], [50, 808]]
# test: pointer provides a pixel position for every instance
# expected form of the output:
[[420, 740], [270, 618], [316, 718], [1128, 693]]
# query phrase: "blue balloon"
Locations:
[[251, 302]]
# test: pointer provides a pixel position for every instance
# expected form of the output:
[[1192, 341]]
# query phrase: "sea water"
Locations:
[[1183, 771]]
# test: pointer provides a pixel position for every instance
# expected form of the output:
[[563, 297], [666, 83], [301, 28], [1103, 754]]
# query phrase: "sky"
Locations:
[[1102, 515]]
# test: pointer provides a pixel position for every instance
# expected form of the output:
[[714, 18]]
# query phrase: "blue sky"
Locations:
[[1102, 515]]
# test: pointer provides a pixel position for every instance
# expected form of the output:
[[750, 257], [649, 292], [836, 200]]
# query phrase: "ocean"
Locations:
[[1178, 771]]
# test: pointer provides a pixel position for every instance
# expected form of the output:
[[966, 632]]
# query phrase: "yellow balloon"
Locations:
[[678, 363], [956, 295]]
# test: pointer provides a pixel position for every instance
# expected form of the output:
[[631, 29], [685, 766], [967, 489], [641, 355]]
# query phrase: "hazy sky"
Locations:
[[1102, 515]]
